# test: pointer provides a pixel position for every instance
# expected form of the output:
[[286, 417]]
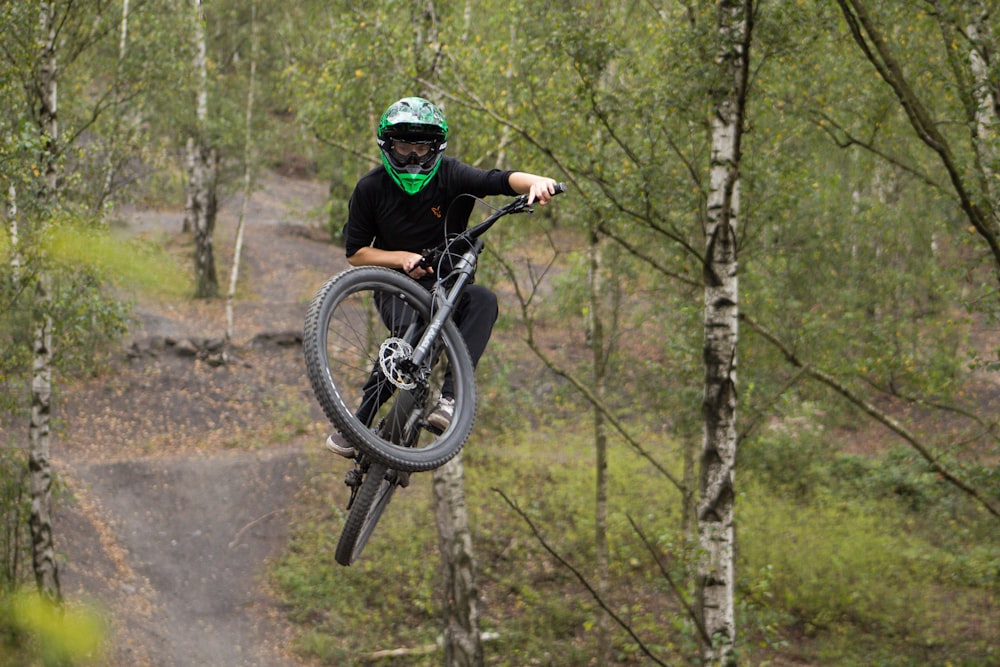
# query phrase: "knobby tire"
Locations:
[[377, 487], [373, 497], [345, 333]]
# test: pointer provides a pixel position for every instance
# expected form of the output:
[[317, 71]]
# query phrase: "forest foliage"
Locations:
[[859, 261]]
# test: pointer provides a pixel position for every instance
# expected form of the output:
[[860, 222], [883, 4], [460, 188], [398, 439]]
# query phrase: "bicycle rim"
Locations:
[[372, 499], [367, 319]]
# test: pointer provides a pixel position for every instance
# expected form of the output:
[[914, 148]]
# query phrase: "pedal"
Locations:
[[432, 429]]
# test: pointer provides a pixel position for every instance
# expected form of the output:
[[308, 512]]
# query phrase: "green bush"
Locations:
[[400, 561], [537, 609], [33, 631], [852, 567], [834, 563], [791, 455]]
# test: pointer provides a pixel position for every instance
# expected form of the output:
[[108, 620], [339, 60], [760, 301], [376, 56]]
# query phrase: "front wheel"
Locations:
[[359, 329]]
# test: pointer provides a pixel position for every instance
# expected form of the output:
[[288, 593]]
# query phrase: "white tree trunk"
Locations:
[[462, 642], [202, 174], [987, 105], [112, 148], [40, 519], [200, 214], [599, 360], [247, 177], [13, 233], [715, 511], [46, 77]]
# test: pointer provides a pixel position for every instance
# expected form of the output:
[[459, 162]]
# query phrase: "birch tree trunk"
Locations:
[[716, 571], [40, 519], [101, 204], [975, 206], [462, 644], [12, 231], [247, 177], [202, 174], [987, 101], [46, 76]]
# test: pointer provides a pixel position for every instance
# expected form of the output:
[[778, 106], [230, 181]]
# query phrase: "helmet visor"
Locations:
[[407, 153]]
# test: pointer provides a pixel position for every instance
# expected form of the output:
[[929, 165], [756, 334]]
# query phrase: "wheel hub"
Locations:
[[393, 356]]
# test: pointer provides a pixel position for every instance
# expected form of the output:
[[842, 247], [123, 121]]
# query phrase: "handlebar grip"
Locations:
[[560, 188]]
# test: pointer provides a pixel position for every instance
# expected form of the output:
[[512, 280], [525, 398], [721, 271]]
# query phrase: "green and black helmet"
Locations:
[[412, 135]]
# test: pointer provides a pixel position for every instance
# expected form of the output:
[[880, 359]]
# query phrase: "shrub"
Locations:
[[35, 632], [857, 568]]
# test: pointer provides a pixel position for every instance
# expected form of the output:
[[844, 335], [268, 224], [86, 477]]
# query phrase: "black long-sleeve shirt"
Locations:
[[382, 215]]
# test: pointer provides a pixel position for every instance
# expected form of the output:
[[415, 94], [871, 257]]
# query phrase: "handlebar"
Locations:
[[517, 205]]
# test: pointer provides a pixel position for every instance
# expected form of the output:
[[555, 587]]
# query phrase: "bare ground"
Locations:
[[182, 472]]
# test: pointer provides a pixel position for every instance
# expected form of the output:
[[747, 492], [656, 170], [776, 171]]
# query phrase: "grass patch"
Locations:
[[283, 418], [384, 600], [129, 264]]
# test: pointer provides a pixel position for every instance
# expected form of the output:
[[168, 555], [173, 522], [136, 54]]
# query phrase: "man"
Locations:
[[402, 207]]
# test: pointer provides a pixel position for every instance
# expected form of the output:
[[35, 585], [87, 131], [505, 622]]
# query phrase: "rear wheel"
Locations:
[[379, 482], [373, 497], [360, 328]]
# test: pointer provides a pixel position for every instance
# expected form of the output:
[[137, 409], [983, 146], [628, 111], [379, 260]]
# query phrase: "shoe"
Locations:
[[440, 416], [338, 444]]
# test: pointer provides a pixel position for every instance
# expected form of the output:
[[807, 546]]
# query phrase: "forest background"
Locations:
[[867, 484]]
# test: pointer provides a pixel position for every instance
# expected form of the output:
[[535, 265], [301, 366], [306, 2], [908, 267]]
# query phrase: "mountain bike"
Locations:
[[379, 347]]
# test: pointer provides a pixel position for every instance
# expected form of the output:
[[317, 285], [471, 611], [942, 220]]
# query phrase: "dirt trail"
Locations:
[[181, 483]]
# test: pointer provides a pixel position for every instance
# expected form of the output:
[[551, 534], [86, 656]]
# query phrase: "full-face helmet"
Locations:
[[412, 134]]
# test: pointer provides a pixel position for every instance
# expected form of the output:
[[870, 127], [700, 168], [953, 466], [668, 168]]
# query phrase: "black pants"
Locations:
[[475, 314]]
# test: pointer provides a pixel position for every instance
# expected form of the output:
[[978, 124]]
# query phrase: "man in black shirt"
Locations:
[[402, 207]]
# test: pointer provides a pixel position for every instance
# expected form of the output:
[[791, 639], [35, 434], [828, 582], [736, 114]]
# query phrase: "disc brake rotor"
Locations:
[[391, 355]]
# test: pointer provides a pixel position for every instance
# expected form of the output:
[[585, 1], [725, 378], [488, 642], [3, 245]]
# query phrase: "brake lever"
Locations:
[[519, 205], [429, 258]]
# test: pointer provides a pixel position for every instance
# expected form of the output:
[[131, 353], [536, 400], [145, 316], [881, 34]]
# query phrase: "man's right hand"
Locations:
[[412, 265]]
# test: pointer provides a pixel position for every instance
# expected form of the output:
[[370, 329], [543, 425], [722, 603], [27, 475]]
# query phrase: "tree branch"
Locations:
[[582, 579], [866, 34], [472, 101], [878, 415], [649, 259], [525, 302], [845, 140], [699, 623]]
